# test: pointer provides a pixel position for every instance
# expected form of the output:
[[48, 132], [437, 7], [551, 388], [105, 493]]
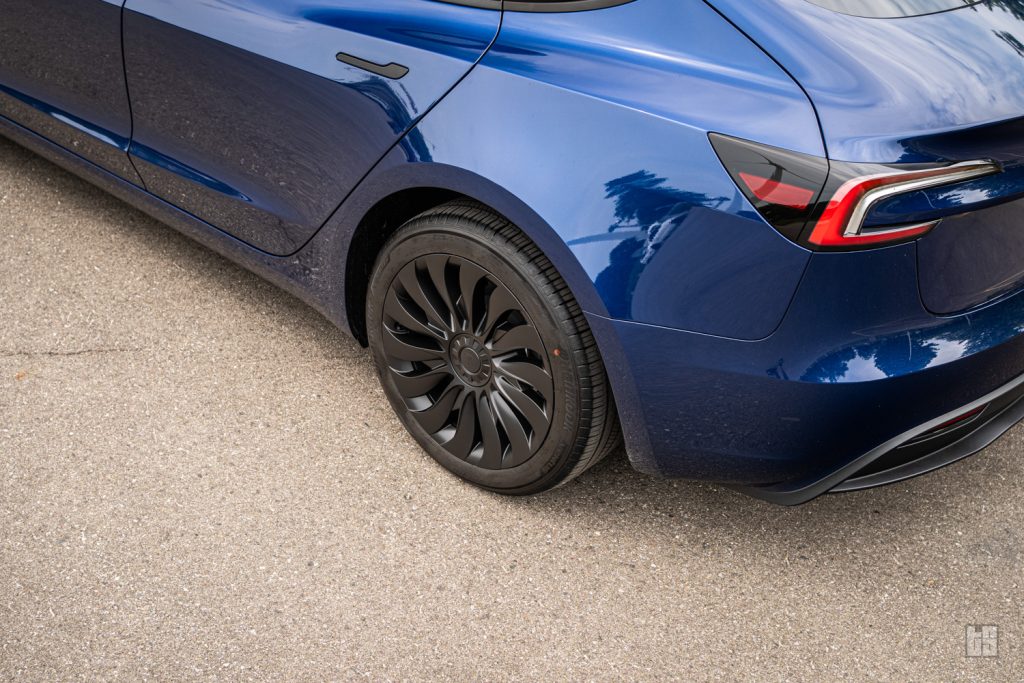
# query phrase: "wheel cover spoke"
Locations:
[[471, 277], [499, 304], [413, 284], [435, 416], [533, 376], [437, 267], [520, 337], [491, 450], [416, 384], [400, 313], [519, 441], [409, 347], [525, 406], [467, 360], [461, 443]]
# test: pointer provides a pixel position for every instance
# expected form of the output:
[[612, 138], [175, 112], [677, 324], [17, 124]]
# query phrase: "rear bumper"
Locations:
[[915, 452], [857, 371]]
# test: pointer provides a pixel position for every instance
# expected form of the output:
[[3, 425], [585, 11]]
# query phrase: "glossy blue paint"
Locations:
[[878, 84], [735, 355], [269, 132], [955, 279], [61, 75], [639, 216]]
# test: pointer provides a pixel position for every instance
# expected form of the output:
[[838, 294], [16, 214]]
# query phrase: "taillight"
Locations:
[[783, 186], [825, 205], [841, 223]]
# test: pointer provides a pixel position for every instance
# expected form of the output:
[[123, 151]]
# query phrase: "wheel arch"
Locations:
[[414, 188]]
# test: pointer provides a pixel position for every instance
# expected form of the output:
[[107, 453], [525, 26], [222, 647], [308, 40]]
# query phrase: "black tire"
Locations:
[[507, 391]]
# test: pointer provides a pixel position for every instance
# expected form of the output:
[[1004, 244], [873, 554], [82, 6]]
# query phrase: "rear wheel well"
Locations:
[[379, 223]]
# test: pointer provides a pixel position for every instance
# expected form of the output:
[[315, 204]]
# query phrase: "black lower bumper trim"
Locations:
[[1010, 401], [970, 444]]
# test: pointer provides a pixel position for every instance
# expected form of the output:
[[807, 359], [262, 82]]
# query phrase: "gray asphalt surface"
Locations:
[[200, 480]]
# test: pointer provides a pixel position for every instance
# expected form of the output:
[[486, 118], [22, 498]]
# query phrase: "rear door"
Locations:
[[259, 116], [61, 76]]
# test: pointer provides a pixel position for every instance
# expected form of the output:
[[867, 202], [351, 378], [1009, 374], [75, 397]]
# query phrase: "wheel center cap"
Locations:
[[470, 360]]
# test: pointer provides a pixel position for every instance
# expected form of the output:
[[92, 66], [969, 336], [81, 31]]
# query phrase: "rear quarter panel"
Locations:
[[598, 122]]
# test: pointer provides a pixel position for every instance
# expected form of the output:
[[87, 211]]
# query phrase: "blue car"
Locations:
[[777, 245]]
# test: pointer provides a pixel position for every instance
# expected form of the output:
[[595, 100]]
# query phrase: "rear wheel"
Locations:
[[485, 355]]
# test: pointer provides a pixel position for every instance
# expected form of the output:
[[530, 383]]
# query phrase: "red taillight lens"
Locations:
[[773, 191], [958, 419], [783, 186], [841, 224], [824, 205]]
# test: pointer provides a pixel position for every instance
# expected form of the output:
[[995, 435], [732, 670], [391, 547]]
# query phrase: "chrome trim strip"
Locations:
[[960, 172]]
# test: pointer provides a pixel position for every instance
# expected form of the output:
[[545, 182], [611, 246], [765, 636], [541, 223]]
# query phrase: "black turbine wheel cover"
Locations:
[[468, 362]]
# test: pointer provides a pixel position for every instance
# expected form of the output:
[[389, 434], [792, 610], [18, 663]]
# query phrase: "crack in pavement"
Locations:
[[78, 352]]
